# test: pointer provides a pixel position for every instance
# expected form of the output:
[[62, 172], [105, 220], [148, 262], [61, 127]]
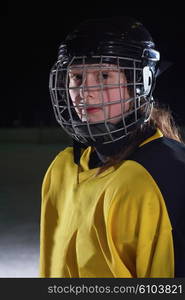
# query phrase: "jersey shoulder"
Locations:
[[164, 160]]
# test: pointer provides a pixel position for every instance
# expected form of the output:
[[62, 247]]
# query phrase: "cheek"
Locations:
[[115, 110], [115, 94], [75, 97]]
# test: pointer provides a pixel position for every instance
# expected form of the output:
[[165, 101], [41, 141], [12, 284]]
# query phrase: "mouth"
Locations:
[[93, 109]]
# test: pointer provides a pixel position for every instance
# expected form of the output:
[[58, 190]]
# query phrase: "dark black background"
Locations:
[[29, 45]]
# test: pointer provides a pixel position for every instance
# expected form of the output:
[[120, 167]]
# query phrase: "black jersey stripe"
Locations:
[[164, 159]]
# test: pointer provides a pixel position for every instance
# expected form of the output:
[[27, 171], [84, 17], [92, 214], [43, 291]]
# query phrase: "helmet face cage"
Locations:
[[75, 117]]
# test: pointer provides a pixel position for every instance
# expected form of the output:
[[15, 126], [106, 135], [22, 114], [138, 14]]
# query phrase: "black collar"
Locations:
[[104, 151]]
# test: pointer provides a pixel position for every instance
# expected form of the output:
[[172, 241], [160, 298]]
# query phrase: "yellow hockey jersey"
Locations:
[[115, 224]]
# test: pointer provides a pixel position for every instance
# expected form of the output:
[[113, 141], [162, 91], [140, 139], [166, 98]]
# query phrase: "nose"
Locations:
[[88, 88]]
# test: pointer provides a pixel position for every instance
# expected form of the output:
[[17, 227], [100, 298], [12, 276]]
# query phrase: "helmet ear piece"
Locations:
[[147, 80]]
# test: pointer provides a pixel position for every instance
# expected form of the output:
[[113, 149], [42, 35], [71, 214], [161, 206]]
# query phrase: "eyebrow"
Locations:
[[92, 69], [94, 66]]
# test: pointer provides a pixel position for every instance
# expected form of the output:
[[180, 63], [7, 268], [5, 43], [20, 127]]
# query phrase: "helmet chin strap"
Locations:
[[106, 132], [99, 133], [99, 137], [101, 147]]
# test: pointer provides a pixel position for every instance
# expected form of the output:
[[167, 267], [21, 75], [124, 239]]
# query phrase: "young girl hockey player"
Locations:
[[112, 203]]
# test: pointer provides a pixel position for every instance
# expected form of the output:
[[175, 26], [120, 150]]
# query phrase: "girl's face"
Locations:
[[96, 91]]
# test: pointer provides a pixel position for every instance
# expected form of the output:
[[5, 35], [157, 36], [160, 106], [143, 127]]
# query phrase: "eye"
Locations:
[[77, 77], [105, 75]]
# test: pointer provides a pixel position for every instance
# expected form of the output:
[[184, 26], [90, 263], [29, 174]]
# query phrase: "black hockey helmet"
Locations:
[[120, 41]]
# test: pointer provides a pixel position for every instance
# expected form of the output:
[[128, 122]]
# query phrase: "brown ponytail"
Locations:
[[162, 118]]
